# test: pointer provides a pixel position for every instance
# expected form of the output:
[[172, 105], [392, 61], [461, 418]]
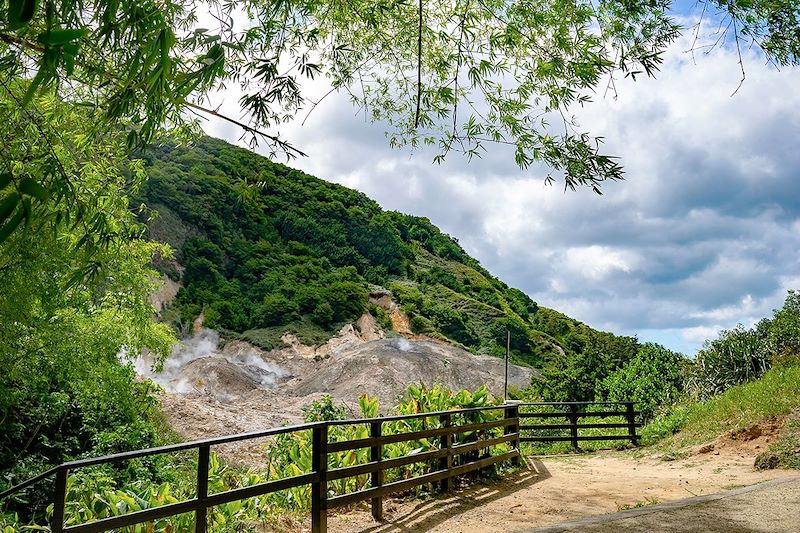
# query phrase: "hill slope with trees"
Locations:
[[262, 249]]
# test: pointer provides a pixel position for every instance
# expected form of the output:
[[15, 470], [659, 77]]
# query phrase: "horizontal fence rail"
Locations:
[[574, 416], [462, 446]]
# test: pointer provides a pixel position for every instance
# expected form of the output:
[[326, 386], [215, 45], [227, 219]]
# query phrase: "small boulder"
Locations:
[[706, 448]]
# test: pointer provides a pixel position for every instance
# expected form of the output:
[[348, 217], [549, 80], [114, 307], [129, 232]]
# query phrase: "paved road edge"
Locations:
[[668, 506]]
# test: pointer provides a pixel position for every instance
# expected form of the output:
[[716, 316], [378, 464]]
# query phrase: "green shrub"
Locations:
[[736, 356], [381, 317], [741, 355], [420, 324], [276, 310], [324, 409], [307, 331], [654, 378], [782, 332]]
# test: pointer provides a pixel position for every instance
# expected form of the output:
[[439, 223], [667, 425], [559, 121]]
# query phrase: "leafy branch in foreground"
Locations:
[[75, 295], [458, 75]]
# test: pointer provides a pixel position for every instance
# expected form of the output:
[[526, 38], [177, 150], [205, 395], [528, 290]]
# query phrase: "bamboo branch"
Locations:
[[419, 68], [289, 149]]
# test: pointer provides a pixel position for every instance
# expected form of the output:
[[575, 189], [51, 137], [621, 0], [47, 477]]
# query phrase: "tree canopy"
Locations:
[[456, 74]]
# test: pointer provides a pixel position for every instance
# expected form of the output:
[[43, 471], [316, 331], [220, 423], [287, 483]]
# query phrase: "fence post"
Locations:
[[201, 515], [512, 412], [629, 414], [59, 500], [573, 420], [446, 443], [319, 489], [376, 454]]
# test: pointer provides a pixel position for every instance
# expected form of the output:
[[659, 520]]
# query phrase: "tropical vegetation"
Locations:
[[75, 295], [95, 95], [744, 377]]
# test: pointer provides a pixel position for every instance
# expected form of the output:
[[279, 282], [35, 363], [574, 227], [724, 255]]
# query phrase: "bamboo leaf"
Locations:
[[32, 188], [61, 37], [10, 226], [35, 83], [20, 12], [5, 179], [7, 206]]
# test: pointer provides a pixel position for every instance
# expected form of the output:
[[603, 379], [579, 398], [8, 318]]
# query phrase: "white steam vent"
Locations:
[[404, 345], [198, 366]]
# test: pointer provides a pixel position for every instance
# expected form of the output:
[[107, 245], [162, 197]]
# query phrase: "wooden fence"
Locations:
[[570, 429], [452, 457]]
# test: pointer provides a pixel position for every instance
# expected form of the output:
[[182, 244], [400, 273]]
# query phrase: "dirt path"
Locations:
[[766, 507], [559, 489]]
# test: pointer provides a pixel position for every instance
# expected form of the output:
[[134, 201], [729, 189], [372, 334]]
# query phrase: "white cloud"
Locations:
[[597, 262], [698, 334]]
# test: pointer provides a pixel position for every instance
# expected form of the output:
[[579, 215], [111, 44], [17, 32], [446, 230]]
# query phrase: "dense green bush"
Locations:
[[74, 299], [775, 393], [654, 379], [741, 377], [782, 332], [578, 376], [381, 316], [741, 354], [736, 356]]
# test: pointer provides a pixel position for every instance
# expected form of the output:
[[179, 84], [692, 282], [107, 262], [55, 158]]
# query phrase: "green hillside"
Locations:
[[265, 249]]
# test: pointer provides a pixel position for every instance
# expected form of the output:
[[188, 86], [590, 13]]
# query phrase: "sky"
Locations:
[[703, 233]]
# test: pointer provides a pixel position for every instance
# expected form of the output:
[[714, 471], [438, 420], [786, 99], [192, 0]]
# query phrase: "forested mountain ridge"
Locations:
[[265, 248]]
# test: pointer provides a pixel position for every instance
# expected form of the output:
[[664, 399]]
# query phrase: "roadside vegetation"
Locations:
[[743, 377], [260, 260], [261, 249], [775, 394], [87, 87]]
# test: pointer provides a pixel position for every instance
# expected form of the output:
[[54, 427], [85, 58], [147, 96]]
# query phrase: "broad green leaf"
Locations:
[[61, 37], [5, 179], [20, 12], [7, 206], [10, 226], [31, 188]]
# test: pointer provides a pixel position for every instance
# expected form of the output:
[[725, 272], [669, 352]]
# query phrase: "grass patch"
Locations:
[[307, 332], [776, 393], [637, 505], [564, 447]]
